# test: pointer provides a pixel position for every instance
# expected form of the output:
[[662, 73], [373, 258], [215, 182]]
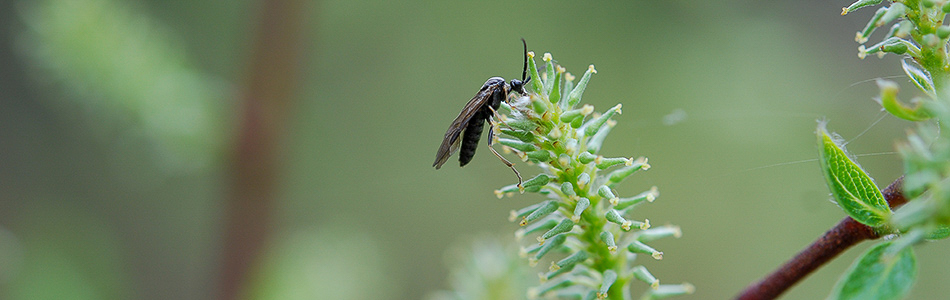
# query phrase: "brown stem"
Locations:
[[847, 233], [266, 96]]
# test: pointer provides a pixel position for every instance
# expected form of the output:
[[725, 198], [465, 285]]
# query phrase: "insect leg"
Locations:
[[491, 141], [499, 117]]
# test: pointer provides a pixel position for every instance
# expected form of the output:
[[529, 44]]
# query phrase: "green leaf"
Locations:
[[851, 187], [877, 275], [920, 77], [894, 106]]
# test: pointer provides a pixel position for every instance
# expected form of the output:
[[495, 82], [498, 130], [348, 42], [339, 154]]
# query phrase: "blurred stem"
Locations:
[[847, 233], [267, 94]]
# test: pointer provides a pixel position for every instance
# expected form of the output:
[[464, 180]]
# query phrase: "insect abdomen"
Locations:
[[473, 132]]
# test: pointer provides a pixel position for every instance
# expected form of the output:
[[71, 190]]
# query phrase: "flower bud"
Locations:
[[583, 180], [537, 181], [524, 136], [586, 157], [594, 124], [641, 273], [621, 174], [606, 193], [859, 4], [539, 156], [575, 95], [517, 144], [514, 215], [613, 216], [554, 242], [569, 261], [895, 11], [648, 196], [582, 112], [545, 209], [564, 226], [653, 234], [639, 247], [863, 35], [534, 85], [608, 239], [609, 278], [568, 189], [582, 204], [544, 225], [613, 161], [554, 96]]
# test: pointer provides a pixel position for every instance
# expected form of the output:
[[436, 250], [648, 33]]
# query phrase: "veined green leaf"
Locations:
[[877, 275], [851, 187]]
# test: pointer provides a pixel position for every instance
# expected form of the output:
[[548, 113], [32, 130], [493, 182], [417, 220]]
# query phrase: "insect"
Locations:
[[466, 130]]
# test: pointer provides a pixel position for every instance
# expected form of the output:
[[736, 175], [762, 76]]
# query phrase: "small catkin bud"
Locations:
[[583, 180], [564, 161], [863, 35], [555, 95], [517, 144], [539, 156], [608, 239], [641, 273], [640, 247], [524, 136], [530, 249], [506, 190], [658, 233], [575, 95], [537, 181], [582, 204], [586, 157], [648, 196], [613, 216], [545, 209], [613, 161], [859, 4], [544, 225], [895, 11], [569, 261], [622, 173], [552, 243], [564, 226], [568, 189], [518, 214], [555, 272], [610, 276], [594, 125], [605, 192]]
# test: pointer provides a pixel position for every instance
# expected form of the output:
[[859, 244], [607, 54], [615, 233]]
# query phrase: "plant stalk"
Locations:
[[847, 233]]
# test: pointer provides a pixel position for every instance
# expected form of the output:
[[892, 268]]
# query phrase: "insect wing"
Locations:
[[450, 144]]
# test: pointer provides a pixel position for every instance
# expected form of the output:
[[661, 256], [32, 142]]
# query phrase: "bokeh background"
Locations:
[[119, 122]]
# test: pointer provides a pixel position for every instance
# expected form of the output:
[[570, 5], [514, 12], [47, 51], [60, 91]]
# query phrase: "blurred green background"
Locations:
[[117, 118]]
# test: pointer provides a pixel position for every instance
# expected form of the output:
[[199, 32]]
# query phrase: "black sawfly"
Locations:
[[466, 130]]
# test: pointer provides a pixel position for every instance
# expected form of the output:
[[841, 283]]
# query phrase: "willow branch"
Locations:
[[266, 96], [847, 233]]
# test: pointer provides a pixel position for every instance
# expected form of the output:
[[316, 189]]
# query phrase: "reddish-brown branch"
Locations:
[[266, 96], [847, 233]]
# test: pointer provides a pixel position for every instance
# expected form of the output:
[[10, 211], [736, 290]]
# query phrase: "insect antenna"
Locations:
[[524, 70]]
